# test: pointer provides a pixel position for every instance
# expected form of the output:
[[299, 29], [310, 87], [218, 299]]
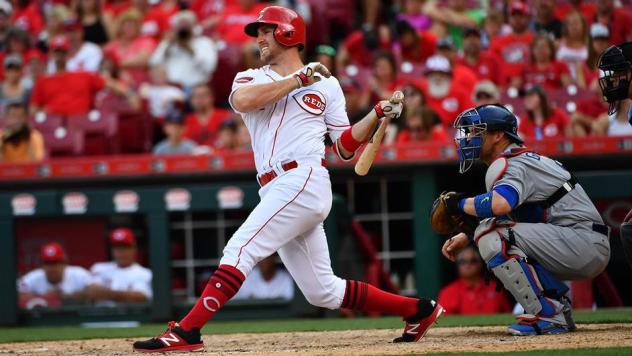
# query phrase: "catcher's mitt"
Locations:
[[446, 218]]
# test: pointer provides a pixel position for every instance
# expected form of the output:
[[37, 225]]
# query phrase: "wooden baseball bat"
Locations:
[[370, 151]]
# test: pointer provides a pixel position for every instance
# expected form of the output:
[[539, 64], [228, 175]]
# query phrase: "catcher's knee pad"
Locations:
[[518, 277], [626, 240]]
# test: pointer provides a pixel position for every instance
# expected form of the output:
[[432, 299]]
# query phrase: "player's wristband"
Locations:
[[302, 79], [349, 143], [378, 110], [483, 205]]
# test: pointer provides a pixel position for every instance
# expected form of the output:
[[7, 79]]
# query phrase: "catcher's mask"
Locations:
[[469, 139], [615, 65]]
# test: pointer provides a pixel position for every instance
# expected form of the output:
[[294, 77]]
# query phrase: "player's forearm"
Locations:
[[256, 96], [360, 131], [498, 206]]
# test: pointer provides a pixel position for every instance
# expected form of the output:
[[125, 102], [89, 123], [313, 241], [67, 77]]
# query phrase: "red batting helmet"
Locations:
[[290, 27]]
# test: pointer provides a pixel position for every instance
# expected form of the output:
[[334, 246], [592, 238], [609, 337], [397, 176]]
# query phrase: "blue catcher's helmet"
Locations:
[[472, 125]]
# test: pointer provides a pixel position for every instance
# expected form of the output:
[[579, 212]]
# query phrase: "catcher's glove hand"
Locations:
[[446, 217], [311, 73]]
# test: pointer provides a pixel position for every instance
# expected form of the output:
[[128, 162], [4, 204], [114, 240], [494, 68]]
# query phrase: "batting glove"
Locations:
[[385, 108], [311, 73]]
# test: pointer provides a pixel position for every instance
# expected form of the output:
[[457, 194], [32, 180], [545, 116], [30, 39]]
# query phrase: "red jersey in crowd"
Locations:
[[593, 107], [486, 68], [620, 26], [448, 107], [233, 21], [204, 133], [552, 127], [437, 134], [459, 298], [358, 53], [116, 7], [513, 51], [28, 19], [426, 48], [67, 93], [548, 76], [587, 10], [156, 20], [464, 77]]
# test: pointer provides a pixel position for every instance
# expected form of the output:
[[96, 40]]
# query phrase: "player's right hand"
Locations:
[[311, 73], [454, 245], [386, 108]]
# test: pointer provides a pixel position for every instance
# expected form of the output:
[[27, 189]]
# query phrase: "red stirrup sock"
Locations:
[[367, 298], [222, 286]]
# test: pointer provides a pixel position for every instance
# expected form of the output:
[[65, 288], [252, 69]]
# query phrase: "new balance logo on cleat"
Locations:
[[412, 329], [417, 326]]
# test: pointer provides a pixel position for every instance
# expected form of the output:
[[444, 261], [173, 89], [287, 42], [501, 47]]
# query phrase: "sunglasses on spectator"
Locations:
[[467, 261]]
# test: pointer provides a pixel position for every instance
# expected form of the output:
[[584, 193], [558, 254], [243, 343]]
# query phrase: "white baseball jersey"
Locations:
[[133, 278], [294, 127], [75, 279], [256, 287]]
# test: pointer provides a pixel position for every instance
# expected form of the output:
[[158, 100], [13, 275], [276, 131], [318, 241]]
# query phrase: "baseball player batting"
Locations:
[[616, 65], [538, 224], [288, 108]]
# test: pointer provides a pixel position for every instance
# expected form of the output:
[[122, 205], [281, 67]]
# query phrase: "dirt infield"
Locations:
[[357, 342]]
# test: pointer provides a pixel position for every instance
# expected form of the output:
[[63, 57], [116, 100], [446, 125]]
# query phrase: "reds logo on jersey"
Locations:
[[311, 101]]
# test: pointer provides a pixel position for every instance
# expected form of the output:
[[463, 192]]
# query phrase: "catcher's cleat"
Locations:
[[530, 325], [418, 325], [174, 339]]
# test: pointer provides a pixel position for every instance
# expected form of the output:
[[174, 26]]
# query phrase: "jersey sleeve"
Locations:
[[336, 117], [516, 177], [242, 79]]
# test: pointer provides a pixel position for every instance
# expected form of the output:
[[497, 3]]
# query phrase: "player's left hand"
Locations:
[[311, 73]]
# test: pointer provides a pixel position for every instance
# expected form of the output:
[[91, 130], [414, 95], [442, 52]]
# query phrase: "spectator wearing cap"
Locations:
[[19, 142], [82, 56], [542, 120], [413, 45], [470, 294], [66, 93], [618, 21], [452, 19], [122, 280], [545, 19], [466, 77], [483, 63], [384, 79], [98, 27], [443, 94], [131, 49], [202, 124], [513, 48], [421, 124], [5, 21], [15, 86], [599, 41], [26, 16], [543, 69], [175, 143], [485, 93], [357, 100], [326, 55], [54, 282], [573, 48], [189, 58]]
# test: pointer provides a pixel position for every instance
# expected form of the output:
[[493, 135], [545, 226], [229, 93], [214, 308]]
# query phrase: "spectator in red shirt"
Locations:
[[442, 92], [65, 93], [413, 46], [422, 125], [544, 70], [469, 294], [541, 120], [466, 77], [618, 21], [513, 48], [131, 49], [482, 62], [384, 80], [359, 47], [234, 18], [587, 10], [202, 125], [156, 19], [26, 16]]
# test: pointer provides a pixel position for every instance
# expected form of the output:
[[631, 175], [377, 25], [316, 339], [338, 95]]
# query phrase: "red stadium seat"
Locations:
[[100, 129], [46, 122], [63, 142], [229, 64]]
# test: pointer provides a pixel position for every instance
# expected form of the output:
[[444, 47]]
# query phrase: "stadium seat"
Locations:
[[46, 122], [100, 131], [63, 142], [229, 64]]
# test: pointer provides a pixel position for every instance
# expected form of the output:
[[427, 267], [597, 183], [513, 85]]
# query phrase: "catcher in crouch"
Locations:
[[537, 224]]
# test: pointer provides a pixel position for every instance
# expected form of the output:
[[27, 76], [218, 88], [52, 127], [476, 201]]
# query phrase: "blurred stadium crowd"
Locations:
[[95, 77]]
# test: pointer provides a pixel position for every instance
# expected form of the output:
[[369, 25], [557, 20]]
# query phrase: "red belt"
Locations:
[[267, 177]]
